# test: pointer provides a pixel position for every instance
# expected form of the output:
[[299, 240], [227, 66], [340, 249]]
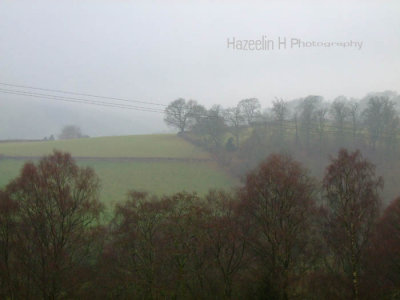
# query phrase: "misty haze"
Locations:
[[199, 150]]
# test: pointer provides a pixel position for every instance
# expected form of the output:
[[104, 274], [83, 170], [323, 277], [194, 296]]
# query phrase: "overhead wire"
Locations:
[[80, 94], [80, 100]]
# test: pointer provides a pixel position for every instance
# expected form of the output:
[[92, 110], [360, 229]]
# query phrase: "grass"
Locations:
[[164, 145], [9, 169], [158, 177], [117, 178]]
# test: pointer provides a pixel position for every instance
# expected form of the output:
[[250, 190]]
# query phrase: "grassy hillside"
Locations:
[[118, 176], [164, 145]]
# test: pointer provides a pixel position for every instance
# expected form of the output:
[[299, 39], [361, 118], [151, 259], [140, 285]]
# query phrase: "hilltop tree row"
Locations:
[[371, 122]]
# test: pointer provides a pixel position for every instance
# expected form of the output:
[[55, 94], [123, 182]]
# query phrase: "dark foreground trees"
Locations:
[[176, 247], [271, 239], [255, 244], [48, 231], [8, 223], [383, 265]]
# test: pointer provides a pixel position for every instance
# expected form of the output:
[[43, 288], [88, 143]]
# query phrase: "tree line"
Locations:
[[281, 235], [371, 122]]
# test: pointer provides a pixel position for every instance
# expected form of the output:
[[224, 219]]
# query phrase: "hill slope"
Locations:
[[162, 146], [161, 164]]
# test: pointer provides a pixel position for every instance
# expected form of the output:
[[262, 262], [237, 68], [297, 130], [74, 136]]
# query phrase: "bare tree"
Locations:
[[226, 239], [340, 113], [181, 114], [307, 109], [278, 199], [235, 120], [137, 235], [353, 204], [251, 108], [212, 127], [373, 119], [58, 206], [320, 116], [391, 125], [280, 111], [8, 266], [158, 247], [354, 112], [381, 120], [383, 261]]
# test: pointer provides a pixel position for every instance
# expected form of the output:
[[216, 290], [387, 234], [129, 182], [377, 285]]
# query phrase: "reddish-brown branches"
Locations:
[[54, 225], [278, 200], [353, 205]]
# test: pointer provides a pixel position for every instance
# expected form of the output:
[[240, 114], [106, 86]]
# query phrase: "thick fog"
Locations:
[[158, 51]]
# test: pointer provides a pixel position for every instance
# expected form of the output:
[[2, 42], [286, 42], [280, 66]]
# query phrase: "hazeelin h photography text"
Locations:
[[282, 43]]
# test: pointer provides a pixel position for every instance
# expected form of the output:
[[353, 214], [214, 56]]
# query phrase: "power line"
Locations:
[[96, 102], [91, 102], [81, 101], [81, 94]]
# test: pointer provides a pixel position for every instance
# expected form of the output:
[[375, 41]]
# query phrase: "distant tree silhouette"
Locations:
[[70, 132], [235, 120], [182, 114], [280, 111], [212, 128], [382, 121], [251, 109], [340, 112], [307, 108]]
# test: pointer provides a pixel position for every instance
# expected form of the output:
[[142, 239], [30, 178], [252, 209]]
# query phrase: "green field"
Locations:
[[161, 145], [117, 177]]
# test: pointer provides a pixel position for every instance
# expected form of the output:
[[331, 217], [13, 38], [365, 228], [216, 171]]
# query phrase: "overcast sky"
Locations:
[[160, 50]]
